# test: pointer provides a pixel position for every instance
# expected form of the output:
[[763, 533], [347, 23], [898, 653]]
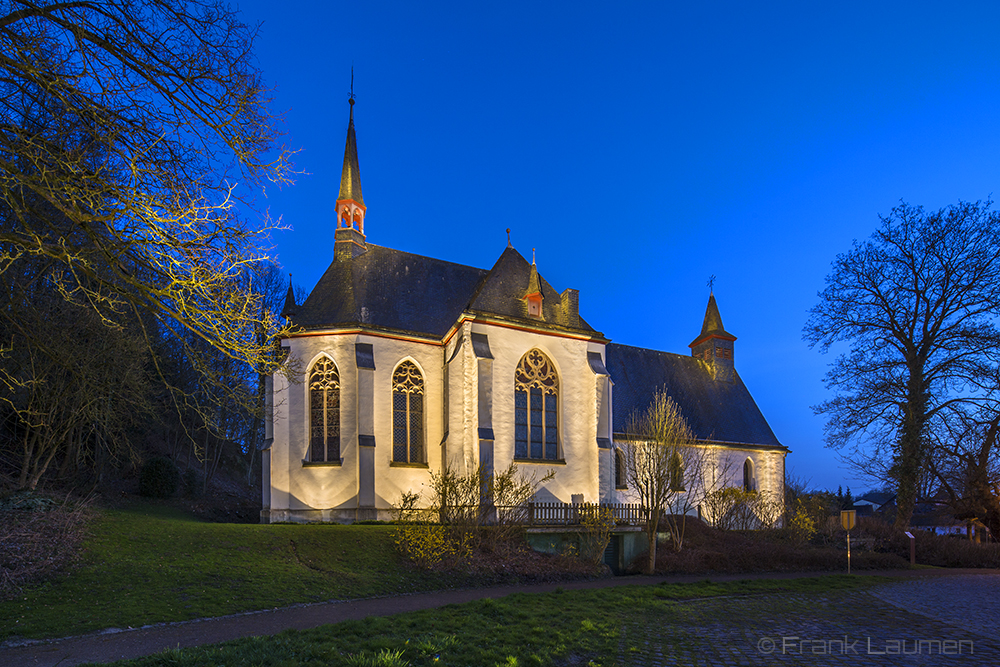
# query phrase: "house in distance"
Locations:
[[410, 363]]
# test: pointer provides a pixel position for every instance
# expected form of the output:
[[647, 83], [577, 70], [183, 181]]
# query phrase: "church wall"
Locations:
[[392, 479], [576, 412], [329, 492], [322, 487], [723, 467]]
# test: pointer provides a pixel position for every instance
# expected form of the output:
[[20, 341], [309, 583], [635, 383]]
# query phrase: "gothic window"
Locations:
[[324, 411], [620, 482], [407, 414], [749, 482], [536, 395], [676, 470]]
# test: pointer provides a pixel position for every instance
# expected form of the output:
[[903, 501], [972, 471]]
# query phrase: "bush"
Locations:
[[159, 478], [194, 483], [37, 539]]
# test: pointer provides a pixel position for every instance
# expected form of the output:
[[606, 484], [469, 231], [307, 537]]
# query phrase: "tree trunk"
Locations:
[[651, 563], [911, 447]]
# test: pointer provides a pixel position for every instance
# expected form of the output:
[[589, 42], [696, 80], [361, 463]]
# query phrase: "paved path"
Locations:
[[949, 620], [978, 611]]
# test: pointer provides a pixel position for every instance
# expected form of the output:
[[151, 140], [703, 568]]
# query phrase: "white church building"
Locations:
[[408, 363]]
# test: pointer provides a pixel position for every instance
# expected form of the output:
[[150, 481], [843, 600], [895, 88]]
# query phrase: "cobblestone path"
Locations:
[[947, 621]]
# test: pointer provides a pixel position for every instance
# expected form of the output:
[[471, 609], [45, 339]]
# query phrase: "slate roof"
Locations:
[[391, 289], [509, 281], [397, 290], [716, 411]]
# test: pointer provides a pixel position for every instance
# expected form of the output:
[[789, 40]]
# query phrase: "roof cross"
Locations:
[[711, 284]]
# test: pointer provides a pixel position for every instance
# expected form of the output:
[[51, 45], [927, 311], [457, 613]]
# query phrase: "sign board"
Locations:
[[908, 534], [848, 518]]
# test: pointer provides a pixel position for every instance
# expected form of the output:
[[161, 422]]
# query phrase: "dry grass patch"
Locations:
[[39, 537]]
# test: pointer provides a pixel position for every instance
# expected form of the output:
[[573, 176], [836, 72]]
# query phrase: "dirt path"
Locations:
[[111, 645]]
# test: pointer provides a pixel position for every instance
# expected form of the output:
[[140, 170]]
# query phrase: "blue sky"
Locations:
[[641, 148]]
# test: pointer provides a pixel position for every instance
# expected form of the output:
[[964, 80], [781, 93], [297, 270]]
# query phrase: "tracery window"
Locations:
[[324, 411], [407, 414], [536, 396]]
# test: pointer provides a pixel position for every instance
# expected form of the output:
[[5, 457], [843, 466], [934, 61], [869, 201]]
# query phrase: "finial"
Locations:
[[289, 278], [508, 237], [711, 284], [350, 99], [532, 255]]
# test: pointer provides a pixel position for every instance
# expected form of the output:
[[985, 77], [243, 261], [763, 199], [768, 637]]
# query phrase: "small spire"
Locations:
[[712, 327], [532, 256], [713, 320], [290, 309], [534, 284]]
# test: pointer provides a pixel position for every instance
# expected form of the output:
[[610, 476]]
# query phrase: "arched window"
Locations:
[[620, 479], [324, 411], [536, 396], [676, 471], [749, 482], [407, 414]]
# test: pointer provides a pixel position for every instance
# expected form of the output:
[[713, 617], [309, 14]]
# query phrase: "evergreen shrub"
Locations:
[[159, 478], [194, 483]]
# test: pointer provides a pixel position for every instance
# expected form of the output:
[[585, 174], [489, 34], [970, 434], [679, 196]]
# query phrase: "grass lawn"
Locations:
[[599, 627], [153, 563]]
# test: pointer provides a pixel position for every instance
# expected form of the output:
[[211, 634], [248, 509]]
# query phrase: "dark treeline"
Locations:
[[138, 307]]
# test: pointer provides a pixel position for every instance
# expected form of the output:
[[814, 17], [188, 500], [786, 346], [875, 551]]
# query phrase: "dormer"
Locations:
[[533, 294]]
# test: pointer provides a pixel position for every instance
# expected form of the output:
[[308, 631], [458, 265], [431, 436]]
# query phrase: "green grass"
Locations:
[[152, 563], [564, 627]]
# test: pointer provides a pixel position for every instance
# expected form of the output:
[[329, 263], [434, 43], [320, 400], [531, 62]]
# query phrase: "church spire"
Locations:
[[350, 232], [714, 344]]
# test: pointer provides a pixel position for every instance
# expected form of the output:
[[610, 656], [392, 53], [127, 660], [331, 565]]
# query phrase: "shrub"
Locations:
[[596, 524], [159, 478], [802, 525], [733, 508], [194, 483], [38, 539]]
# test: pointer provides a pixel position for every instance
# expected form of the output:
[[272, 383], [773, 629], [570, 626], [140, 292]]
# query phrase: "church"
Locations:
[[405, 364]]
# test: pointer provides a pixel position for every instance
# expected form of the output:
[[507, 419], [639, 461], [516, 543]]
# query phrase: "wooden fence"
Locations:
[[569, 514]]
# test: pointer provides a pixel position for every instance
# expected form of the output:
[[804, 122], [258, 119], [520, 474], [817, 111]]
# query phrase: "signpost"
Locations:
[[847, 519], [913, 549]]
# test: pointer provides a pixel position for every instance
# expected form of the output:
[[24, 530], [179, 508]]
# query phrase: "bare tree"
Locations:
[[661, 462], [124, 125], [76, 388], [916, 303], [966, 464]]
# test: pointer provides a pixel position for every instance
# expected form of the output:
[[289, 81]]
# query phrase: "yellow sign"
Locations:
[[848, 518]]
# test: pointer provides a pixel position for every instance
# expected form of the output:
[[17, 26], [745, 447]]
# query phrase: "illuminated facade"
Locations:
[[408, 363]]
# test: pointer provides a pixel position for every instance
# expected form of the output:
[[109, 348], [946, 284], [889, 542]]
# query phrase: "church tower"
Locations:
[[715, 345], [349, 237]]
